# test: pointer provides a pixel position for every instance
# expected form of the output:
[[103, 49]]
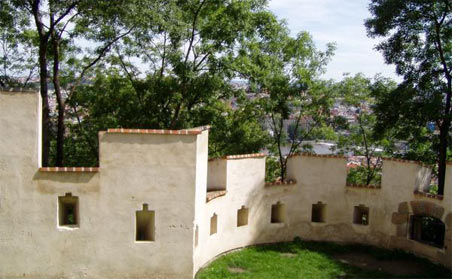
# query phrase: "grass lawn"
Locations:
[[301, 259]]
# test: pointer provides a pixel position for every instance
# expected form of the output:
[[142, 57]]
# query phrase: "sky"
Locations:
[[339, 21]]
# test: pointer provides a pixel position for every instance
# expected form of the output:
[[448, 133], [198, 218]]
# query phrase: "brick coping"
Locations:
[[69, 169], [214, 194], [364, 186], [407, 161], [239, 156], [280, 183], [154, 131], [428, 195], [308, 154]]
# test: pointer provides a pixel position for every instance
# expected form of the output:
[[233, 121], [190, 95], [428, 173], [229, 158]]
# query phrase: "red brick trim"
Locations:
[[214, 194], [69, 169], [281, 183], [405, 161], [240, 156], [364, 186], [22, 90], [153, 131], [427, 195], [307, 154]]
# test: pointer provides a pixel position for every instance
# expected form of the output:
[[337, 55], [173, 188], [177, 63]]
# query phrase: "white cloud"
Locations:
[[336, 21]]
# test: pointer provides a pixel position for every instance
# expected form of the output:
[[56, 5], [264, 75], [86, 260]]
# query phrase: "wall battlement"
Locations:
[[157, 207]]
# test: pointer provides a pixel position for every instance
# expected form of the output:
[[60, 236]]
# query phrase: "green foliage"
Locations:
[[359, 175], [272, 169], [285, 71], [360, 138], [418, 41]]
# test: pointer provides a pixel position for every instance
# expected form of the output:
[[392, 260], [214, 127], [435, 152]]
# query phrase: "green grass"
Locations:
[[300, 259]]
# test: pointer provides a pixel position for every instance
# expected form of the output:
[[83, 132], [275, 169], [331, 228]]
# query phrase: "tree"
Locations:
[[18, 57], [418, 40], [56, 25], [284, 70], [188, 55]]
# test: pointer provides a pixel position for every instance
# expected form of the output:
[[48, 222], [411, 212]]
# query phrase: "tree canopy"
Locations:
[[418, 41]]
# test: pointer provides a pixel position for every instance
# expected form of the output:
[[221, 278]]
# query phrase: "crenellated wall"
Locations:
[[322, 179], [167, 172]]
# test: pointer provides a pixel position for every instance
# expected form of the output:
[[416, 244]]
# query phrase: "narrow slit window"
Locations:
[[196, 235], [242, 216], [361, 215], [318, 213], [278, 214], [68, 211], [145, 224], [213, 224]]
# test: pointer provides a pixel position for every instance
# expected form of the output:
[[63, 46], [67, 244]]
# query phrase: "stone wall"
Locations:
[[156, 207]]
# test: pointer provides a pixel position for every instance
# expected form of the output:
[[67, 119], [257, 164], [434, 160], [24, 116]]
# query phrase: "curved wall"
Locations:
[[322, 179], [168, 172]]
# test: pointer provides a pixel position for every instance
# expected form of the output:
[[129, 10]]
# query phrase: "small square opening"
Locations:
[[145, 224], [242, 216], [318, 213], [278, 214], [361, 215], [68, 211], [213, 224]]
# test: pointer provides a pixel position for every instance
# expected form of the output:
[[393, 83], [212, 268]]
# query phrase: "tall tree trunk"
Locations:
[[444, 130], [60, 100], [45, 101], [43, 45], [443, 142], [445, 125]]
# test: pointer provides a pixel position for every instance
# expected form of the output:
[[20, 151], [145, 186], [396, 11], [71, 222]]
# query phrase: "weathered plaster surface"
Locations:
[[170, 172]]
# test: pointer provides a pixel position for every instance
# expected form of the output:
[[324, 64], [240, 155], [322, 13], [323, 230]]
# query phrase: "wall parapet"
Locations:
[[69, 169], [363, 186], [241, 156], [406, 161], [428, 195], [308, 154], [18, 89], [280, 183], [153, 131]]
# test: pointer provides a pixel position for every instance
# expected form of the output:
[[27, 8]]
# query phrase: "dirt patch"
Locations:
[[236, 270], [288, 255], [367, 262]]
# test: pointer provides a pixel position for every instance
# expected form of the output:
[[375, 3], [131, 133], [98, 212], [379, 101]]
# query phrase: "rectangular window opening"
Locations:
[[145, 224], [361, 215], [318, 213], [278, 214], [68, 211], [213, 224], [427, 230], [242, 216]]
